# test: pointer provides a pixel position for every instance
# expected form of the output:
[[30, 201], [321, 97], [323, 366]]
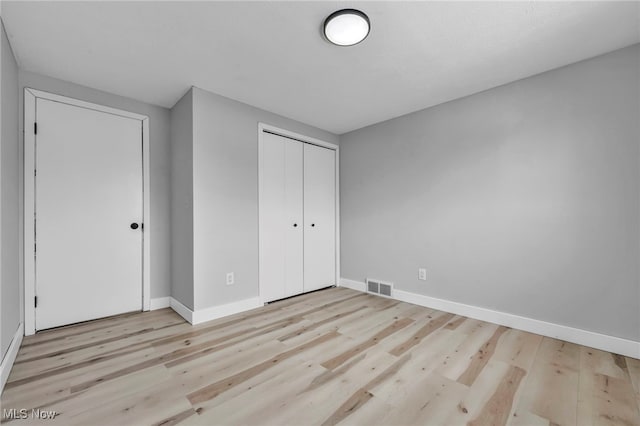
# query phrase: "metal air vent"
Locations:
[[380, 288]]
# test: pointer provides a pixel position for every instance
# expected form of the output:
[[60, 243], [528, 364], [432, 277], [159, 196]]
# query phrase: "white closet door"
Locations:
[[281, 227], [88, 192], [319, 217]]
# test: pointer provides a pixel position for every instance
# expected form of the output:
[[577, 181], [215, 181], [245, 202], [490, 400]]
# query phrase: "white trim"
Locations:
[[160, 303], [604, 342], [353, 285], [146, 216], [298, 136], [182, 310], [215, 312], [30, 96], [10, 356], [337, 215], [29, 212], [260, 179], [313, 141], [77, 102]]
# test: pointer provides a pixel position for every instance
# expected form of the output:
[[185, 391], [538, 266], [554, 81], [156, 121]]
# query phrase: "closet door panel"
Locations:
[[280, 218], [319, 217], [293, 218]]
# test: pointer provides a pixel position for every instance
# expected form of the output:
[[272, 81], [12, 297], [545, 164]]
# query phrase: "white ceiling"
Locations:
[[271, 54]]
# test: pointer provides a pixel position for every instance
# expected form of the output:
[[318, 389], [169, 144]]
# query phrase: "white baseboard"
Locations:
[[604, 342], [352, 284], [214, 312], [10, 356], [160, 303], [181, 310]]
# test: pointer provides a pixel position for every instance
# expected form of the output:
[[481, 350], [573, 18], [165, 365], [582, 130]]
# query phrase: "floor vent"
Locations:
[[379, 287]]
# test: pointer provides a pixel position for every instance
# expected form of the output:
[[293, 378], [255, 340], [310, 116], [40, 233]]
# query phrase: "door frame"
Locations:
[[303, 139], [30, 97]]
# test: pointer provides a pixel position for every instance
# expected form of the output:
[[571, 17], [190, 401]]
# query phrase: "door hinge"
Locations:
[[35, 128], [35, 301]]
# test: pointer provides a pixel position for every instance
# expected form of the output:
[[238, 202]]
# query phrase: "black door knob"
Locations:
[[134, 226], [313, 224], [295, 225]]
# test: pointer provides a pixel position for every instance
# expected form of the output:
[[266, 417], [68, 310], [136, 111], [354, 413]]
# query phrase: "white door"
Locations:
[[281, 217], [319, 217], [88, 196]]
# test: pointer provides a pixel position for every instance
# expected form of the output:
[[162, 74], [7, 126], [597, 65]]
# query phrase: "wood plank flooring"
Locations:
[[331, 357]]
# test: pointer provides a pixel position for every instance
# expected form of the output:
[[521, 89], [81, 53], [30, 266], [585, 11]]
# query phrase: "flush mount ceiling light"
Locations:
[[346, 27]]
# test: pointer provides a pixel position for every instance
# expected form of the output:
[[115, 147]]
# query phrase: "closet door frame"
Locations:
[[262, 127]]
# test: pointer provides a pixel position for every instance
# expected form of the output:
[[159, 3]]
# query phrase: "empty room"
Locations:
[[320, 212]]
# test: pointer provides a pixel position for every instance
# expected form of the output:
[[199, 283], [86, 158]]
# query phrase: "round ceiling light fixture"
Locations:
[[346, 27]]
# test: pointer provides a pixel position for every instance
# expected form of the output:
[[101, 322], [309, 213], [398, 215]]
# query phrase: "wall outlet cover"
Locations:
[[422, 274], [230, 278]]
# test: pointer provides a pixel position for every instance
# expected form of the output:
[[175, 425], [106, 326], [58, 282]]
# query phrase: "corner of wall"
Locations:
[[10, 356], [11, 285], [181, 201]]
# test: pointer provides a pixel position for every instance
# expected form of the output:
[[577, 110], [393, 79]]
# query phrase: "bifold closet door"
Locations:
[[319, 217], [281, 217]]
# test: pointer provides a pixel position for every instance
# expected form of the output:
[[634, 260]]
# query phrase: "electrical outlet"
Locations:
[[422, 274], [230, 278]]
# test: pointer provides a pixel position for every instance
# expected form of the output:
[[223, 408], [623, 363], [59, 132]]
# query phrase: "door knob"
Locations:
[[134, 226], [295, 225], [313, 224]]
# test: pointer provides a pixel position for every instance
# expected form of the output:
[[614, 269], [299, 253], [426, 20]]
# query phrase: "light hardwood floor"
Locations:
[[334, 356]]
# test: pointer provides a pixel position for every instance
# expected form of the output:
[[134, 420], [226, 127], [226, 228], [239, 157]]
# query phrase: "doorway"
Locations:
[[86, 226]]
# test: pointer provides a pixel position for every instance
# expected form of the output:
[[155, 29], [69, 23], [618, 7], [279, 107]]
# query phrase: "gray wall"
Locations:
[[10, 290], [225, 194], [182, 200], [159, 138], [522, 199]]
